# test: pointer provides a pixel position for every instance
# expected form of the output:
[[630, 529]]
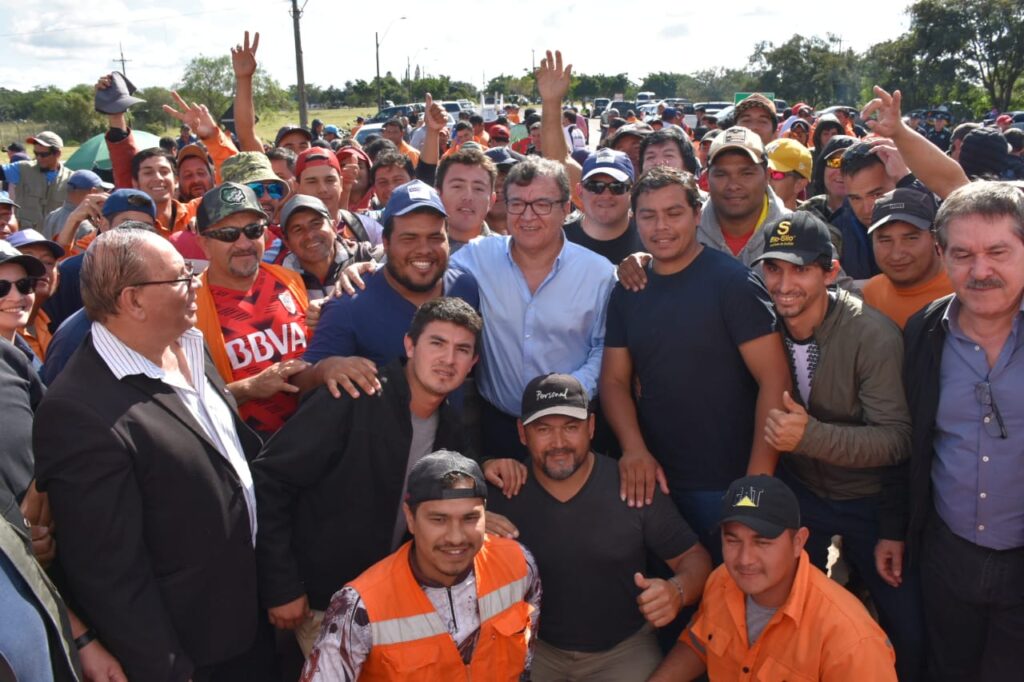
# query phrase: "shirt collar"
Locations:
[[124, 361], [558, 258]]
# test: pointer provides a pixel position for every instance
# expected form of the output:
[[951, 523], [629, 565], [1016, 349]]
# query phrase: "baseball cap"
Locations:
[[291, 128], [710, 135], [669, 113], [800, 238], [226, 200], [1005, 118], [838, 144], [47, 138], [192, 151], [609, 162], [500, 131], [757, 100], [86, 179], [15, 147], [984, 151], [502, 157], [788, 155], [302, 201], [905, 205], [121, 200], [640, 130], [560, 394], [8, 254], [426, 478], [763, 503], [116, 98], [410, 197], [333, 129], [739, 138], [246, 167], [315, 156], [6, 200], [28, 237]]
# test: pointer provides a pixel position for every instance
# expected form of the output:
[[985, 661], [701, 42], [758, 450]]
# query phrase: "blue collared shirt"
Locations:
[[558, 328], [977, 474]]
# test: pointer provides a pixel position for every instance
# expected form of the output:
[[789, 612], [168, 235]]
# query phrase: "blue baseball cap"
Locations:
[[29, 237], [669, 114], [410, 197], [86, 179], [6, 200], [122, 200], [609, 162], [502, 157], [331, 129]]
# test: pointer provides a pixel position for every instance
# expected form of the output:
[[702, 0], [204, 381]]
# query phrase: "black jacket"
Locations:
[[907, 493], [328, 488], [154, 532]]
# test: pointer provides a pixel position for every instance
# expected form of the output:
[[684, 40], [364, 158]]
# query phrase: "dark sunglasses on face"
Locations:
[[274, 189], [598, 187], [25, 286], [44, 153], [231, 234]]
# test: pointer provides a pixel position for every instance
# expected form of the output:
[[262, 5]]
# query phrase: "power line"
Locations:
[[123, 61]]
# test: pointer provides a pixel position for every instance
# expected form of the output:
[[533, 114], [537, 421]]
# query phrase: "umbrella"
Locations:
[[92, 155]]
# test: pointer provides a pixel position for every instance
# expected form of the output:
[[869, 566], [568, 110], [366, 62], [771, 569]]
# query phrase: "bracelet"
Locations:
[[678, 585], [84, 639]]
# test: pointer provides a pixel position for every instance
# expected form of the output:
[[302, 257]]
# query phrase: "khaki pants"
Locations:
[[634, 658], [307, 633]]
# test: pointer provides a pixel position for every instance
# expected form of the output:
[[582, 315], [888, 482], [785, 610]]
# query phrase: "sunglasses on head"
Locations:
[[274, 189], [231, 234], [834, 161], [598, 187], [25, 286]]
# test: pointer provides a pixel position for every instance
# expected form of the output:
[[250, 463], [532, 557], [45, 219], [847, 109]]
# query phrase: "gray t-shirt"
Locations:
[[423, 432], [757, 617]]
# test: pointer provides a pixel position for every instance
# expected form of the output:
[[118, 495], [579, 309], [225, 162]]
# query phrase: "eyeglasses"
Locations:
[[993, 421], [43, 154], [274, 189], [231, 234], [188, 278], [25, 286], [539, 206], [834, 161], [598, 187]]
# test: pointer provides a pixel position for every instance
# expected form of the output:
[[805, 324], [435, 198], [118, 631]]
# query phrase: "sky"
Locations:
[[66, 42]]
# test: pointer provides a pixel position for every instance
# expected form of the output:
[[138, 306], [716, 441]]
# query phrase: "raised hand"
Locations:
[[243, 57], [553, 80], [195, 116]]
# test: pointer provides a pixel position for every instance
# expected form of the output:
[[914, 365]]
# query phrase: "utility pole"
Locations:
[[296, 15], [376, 49], [122, 60]]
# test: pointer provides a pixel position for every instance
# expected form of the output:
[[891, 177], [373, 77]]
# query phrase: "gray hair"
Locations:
[[524, 172], [984, 198], [115, 260]]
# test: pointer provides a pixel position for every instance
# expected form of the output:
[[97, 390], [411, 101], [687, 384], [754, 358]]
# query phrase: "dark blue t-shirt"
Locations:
[[68, 297], [372, 323], [697, 398], [65, 342]]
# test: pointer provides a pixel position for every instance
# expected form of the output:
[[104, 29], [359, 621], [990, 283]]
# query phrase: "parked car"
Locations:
[[389, 113], [600, 104]]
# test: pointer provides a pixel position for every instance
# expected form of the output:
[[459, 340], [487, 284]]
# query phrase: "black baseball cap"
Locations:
[[762, 503], [906, 205], [426, 478], [560, 394], [800, 238]]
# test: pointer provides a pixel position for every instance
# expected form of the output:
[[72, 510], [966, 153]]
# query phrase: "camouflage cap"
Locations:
[[226, 200], [246, 167]]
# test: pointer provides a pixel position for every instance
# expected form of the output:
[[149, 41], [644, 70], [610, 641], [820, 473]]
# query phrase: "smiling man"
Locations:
[[465, 180], [767, 613], [451, 604], [339, 460], [605, 226]]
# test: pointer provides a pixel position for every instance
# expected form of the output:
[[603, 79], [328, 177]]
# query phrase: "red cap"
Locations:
[[346, 154], [1005, 118], [500, 131], [316, 156]]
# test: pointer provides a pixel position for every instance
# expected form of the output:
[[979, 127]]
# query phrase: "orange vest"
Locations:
[[209, 324], [411, 642]]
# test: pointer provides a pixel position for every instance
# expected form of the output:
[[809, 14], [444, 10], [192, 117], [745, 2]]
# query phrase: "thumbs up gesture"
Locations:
[[783, 429], [434, 114], [659, 600]]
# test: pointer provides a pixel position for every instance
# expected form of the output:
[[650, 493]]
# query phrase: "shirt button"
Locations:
[[983, 495], [987, 419], [746, 669], [981, 527], [984, 458], [977, 348]]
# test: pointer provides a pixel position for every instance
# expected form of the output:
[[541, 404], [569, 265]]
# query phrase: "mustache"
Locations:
[[554, 452], [988, 283]]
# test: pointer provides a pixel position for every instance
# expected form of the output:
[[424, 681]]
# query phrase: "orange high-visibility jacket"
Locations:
[[411, 642]]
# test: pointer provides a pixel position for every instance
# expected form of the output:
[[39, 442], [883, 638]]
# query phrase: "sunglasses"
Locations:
[[993, 419], [25, 286], [598, 187], [834, 161], [778, 175], [274, 189], [43, 154], [231, 234]]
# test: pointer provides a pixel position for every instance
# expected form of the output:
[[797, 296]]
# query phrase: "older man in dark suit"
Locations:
[[145, 459]]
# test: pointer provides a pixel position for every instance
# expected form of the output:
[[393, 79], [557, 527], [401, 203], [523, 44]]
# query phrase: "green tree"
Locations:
[[982, 37], [149, 115], [812, 69], [722, 84], [71, 114], [211, 81]]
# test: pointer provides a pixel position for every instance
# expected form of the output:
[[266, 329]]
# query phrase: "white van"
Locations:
[[645, 97]]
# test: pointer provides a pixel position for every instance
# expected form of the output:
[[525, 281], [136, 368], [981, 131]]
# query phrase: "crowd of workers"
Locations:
[[452, 405]]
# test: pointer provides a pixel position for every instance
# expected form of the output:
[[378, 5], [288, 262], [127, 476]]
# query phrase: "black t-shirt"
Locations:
[[587, 550], [697, 398], [614, 250]]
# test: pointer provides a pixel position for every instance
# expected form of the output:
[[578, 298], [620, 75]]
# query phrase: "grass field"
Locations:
[[267, 128]]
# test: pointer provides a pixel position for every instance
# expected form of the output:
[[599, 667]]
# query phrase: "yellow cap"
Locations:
[[787, 155]]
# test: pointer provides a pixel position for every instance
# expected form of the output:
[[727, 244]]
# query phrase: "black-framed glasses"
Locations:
[[231, 234], [274, 189], [992, 420], [539, 206], [188, 277], [25, 286], [598, 187]]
